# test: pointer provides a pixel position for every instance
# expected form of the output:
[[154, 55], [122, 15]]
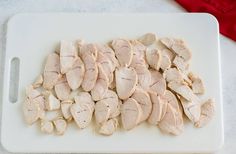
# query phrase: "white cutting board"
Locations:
[[31, 37]]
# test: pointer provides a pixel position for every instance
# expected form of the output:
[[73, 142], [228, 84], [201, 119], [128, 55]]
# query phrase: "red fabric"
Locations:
[[223, 10]]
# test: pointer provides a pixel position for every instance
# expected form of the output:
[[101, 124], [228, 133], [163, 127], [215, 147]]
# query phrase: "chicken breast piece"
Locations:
[[60, 125], [31, 112], [183, 90], [144, 76], [51, 103], [47, 126], [181, 64], [52, 115], [165, 62], [109, 127], [123, 51], [154, 58], [116, 113], [76, 74], [91, 72], [81, 114], [89, 49], [85, 98], [172, 74], [38, 82], [148, 39], [51, 71], [62, 89], [144, 101], [68, 54], [131, 114], [158, 83], [126, 80], [169, 42], [197, 84], [101, 86], [182, 51], [102, 112], [207, 113], [158, 109], [138, 49], [65, 109], [192, 109], [169, 122], [167, 52]]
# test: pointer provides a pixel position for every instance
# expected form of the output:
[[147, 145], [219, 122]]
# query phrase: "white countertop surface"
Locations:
[[228, 47]]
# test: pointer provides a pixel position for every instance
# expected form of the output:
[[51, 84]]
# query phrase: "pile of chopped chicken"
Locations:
[[123, 83]]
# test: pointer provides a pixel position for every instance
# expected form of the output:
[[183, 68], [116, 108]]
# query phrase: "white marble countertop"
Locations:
[[228, 47]]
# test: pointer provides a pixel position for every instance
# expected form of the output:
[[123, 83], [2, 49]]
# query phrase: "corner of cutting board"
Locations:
[[6, 145], [13, 19]]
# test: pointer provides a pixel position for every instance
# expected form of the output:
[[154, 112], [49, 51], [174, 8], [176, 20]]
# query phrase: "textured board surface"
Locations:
[[31, 37]]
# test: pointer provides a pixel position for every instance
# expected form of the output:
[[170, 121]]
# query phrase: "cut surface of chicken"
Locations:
[[102, 112], [207, 113], [138, 48], [85, 98], [91, 72], [158, 83], [158, 109], [60, 126], [109, 127], [51, 72], [126, 80], [182, 51], [76, 74], [131, 113], [197, 84], [89, 49], [144, 101], [154, 58], [46, 126], [116, 113], [169, 42], [52, 115], [192, 109], [101, 86], [144, 76], [81, 114], [123, 51], [51, 103], [165, 62], [38, 82], [172, 74], [167, 52], [181, 64], [68, 54], [148, 39], [31, 112], [183, 90], [65, 109], [62, 89]]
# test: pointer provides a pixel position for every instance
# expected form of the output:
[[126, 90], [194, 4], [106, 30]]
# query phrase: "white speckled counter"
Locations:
[[228, 47]]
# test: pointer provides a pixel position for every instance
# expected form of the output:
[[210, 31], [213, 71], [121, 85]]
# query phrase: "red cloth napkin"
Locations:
[[223, 10]]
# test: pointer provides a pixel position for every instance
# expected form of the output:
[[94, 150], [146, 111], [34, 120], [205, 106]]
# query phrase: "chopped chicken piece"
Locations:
[[123, 51], [165, 62], [169, 42], [65, 109], [102, 112], [183, 90], [101, 86], [31, 112], [158, 83], [148, 39], [126, 80], [138, 48], [91, 72], [89, 49], [62, 89], [38, 82], [131, 113], [144, 101], [182, 51], [85, 98], [81, 114], [109, 127], [52, 115], [181, 64], [197, 84], [191, 109], [76, 74], [60, 125], [51, 71], [52, 103], [207, 112], [116, 113], [154, 58], [144, 76], [158, 109], [67, 56], [171, 55], [172, 74], [47, 126]]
